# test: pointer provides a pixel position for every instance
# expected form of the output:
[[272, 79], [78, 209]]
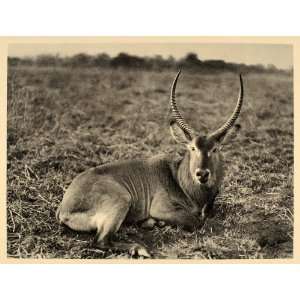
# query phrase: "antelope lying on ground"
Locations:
[[161, 188]]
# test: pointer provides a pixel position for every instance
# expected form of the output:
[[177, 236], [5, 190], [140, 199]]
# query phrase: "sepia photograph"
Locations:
[[147, 150]]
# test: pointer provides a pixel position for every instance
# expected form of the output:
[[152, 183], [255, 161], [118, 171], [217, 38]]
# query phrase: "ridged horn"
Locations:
[[175, 112], [230, 122]]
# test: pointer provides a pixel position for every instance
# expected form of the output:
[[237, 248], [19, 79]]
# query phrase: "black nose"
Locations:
[[202, 175]]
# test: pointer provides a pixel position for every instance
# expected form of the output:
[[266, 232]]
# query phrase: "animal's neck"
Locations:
[[186, 182]]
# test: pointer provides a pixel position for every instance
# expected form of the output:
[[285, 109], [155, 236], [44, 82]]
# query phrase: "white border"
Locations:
[[143, 17], [154, 282], [136, 17]]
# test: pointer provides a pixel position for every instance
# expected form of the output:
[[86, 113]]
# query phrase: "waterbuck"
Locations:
[[159, 189]]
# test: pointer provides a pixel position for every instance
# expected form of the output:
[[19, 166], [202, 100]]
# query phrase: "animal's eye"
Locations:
[[193, 148], [212, 151]]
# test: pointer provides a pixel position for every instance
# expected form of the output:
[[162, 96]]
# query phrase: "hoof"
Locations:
[[148, 224], [161, 224], [138, 250]]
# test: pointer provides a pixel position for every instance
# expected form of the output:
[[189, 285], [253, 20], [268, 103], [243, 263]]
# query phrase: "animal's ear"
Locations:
[[179, 134], [226, 138]]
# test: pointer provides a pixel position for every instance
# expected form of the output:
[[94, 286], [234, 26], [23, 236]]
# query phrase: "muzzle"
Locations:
[[202, 175]]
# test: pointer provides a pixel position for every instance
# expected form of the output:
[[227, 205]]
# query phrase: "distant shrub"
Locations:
[[24, 61], [81, 60], [14, 61], [101, 60], [128, 61], [46, 60], [191, 61]]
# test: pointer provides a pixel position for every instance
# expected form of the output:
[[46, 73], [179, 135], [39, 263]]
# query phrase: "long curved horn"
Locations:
[[230, 122], [175, 112]]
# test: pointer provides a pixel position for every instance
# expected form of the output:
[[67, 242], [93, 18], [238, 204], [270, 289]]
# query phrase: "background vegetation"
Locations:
[[69, 114], [157, 63]]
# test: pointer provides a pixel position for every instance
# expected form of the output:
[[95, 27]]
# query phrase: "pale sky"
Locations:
[[279, 55]]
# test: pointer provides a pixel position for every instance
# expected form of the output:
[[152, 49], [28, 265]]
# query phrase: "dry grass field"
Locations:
[[63, 121]]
